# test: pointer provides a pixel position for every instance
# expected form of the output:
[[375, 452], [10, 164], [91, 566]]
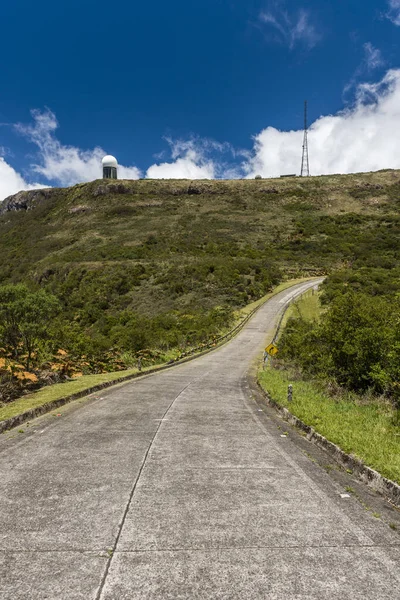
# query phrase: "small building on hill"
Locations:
[[110, 167]]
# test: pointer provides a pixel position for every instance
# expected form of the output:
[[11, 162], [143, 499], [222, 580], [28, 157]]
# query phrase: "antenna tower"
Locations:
[[305, 164]]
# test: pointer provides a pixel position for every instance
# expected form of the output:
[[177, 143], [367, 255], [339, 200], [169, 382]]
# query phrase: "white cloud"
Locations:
[[12, 182], [372, 60], [394, 12], [365, 137], [291, 29], [65, 165], [191, 160], [189, 166], [186, 167], [372, 57]]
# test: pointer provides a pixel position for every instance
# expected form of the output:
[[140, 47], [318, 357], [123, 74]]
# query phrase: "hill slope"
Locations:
[[163, 264]]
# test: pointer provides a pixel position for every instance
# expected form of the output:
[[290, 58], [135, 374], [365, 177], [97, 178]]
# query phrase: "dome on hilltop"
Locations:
[[109, 161]]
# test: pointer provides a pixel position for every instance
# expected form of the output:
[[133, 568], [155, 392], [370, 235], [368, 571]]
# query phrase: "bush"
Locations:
[[25, 318], [357, 343]]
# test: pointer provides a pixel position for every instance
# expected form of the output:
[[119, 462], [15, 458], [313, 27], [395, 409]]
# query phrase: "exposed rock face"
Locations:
[[24, 200], [79, 209], [111, 188]]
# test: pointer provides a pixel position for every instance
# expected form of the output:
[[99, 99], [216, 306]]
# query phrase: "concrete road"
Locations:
[[178, 486]]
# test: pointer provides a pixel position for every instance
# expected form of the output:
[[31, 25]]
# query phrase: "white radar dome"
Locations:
[[109, 161]]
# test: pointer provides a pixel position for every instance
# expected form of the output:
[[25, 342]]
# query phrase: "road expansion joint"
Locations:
[[241, 548], [53, 551]]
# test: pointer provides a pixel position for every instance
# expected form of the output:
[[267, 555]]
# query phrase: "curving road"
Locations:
[[177, 486]]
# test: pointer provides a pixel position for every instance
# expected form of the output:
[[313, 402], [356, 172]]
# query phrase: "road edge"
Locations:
[[386, 487]]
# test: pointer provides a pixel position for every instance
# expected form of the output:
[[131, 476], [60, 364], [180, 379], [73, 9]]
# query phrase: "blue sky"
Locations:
[[198, 89]]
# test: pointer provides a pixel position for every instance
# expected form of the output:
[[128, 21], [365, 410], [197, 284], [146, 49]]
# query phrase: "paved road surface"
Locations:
[[176, 486]]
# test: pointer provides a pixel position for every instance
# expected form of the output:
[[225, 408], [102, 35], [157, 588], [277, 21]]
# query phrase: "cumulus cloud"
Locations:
[[394, 12], [196, 158], [365, 137], [186, 167], [290, 29], [12, 182], [65, 165]]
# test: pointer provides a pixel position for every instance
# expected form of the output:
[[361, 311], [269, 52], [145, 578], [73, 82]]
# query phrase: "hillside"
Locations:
[[127, 222], [159, 265]]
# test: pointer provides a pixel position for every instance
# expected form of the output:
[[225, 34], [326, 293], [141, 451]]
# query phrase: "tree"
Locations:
[[357, 330], [9, 318], [25, 318]]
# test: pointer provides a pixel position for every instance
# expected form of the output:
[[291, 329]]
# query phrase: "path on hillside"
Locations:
[[175, 486]]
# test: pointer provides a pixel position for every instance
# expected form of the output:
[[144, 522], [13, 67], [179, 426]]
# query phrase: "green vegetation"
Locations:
[[307, 307], [363, 427], [152, 269], [24, 319], [355, 343]]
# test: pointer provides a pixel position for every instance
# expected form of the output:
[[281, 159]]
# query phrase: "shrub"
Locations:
[[24, 318]]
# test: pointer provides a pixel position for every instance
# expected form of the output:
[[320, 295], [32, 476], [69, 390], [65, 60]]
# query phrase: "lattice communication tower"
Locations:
[[305, 163]]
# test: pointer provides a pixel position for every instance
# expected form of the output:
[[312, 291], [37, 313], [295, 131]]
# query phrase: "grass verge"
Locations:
[[280, 288], [57, 391], [362, 427], [307, 307]]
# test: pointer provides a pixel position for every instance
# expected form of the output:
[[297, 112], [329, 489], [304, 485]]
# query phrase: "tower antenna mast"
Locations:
[[305, 164]]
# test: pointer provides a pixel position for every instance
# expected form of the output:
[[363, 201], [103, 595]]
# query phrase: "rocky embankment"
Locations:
[[24, 200]]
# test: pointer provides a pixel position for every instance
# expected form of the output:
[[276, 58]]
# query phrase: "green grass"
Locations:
[[365, 429], [57, 391], [307, 307]]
